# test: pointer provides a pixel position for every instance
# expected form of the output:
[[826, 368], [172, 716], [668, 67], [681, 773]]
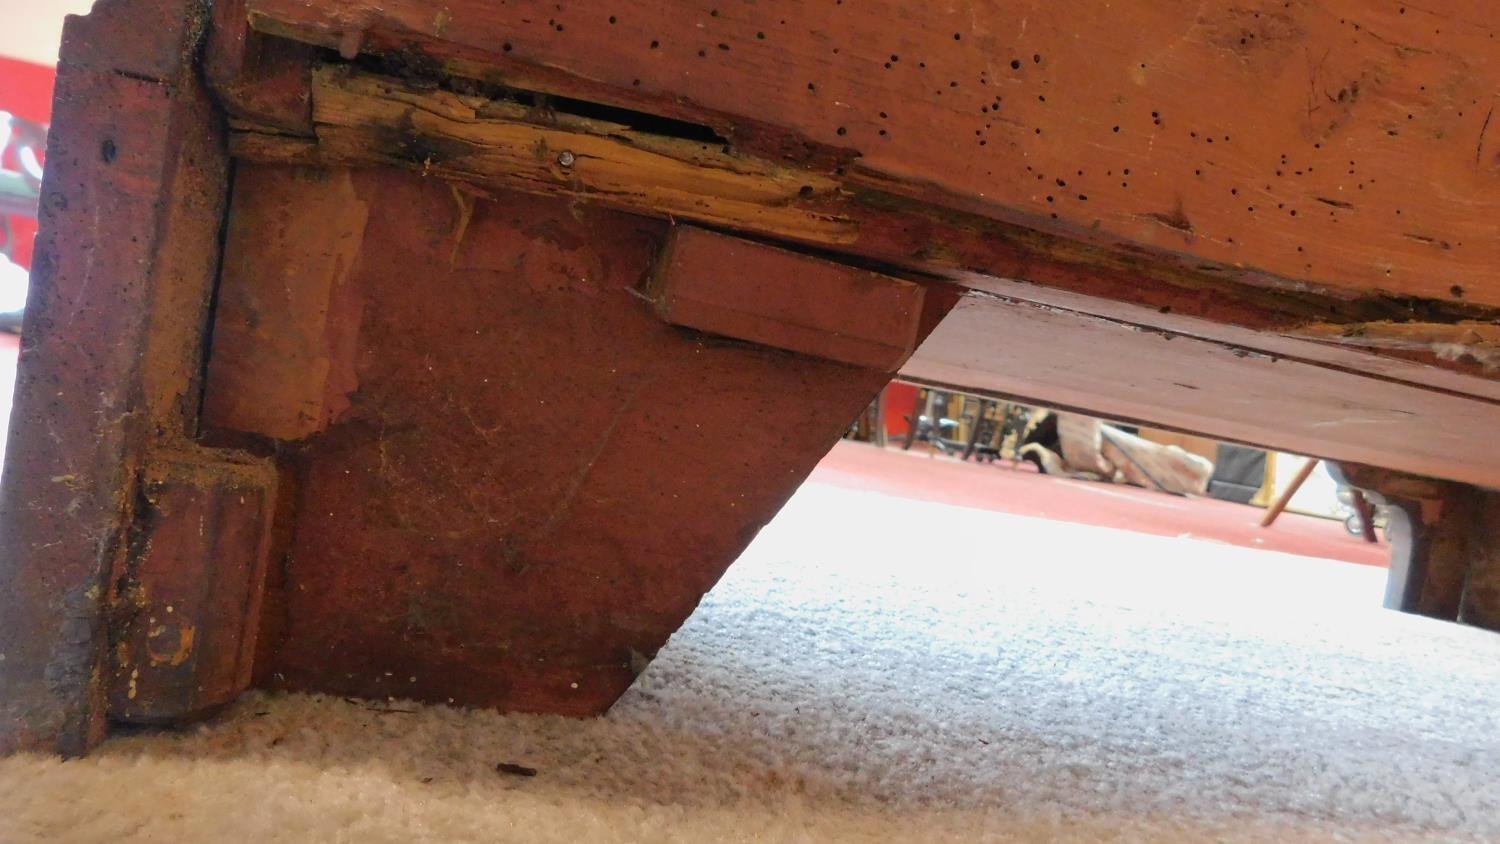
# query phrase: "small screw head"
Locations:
[[565, 158]]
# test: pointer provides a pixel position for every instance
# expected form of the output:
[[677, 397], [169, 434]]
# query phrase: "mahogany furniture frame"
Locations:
[[316, 278]]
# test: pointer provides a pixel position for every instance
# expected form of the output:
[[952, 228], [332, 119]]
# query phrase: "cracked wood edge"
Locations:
[[361, 117], [1331, 142]]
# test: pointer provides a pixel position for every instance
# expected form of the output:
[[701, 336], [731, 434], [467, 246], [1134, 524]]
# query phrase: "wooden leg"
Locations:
[[979, 420], [106, 400], [369, 418], [1431, 526], [1285, 497], [1481, 601], [914, 421]]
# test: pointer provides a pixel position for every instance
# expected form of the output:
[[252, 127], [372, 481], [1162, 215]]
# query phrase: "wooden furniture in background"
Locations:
[[1285, 496]]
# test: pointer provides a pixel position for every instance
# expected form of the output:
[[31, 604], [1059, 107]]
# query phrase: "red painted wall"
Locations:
[[25, 91], [899, 399]]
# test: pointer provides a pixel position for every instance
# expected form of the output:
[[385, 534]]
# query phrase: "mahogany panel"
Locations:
[[535, 478], [751, 291], [1336, 141]]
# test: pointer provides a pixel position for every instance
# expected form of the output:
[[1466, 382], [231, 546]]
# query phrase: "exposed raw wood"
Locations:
[[1332, 141], [378, 120], [1060, 357], [750, 291]]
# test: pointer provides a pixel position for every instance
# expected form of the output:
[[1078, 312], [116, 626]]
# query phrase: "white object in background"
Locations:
[[33, 28], [13, 282]]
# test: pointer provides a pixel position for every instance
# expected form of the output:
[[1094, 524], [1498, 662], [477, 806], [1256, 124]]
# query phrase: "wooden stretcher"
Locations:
[[316, 277]]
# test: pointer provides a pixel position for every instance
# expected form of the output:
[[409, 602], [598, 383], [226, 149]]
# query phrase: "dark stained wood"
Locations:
[[127, 247], [260, 79], [750, 291], [1444, 561], [1335, 141], [1431, 526], [535, 478], [1481, 601], [184, 630], [1433, 540], [1055, 356]]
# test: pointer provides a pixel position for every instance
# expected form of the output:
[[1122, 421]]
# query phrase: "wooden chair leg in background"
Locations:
[[914, 421], [1285, 497], [1366, 515]]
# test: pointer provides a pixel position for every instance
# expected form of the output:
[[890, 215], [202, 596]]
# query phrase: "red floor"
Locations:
[[1020, 490]]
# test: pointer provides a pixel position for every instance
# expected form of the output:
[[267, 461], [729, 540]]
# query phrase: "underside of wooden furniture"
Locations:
[[1444, 559], [405, 350]]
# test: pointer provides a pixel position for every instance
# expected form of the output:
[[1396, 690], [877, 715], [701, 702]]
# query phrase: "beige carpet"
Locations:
[[885, 670]]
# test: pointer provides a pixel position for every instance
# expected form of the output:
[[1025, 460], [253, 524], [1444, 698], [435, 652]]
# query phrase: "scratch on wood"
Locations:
[[1479, 147], [465, 195], [566, 503], [1430, 241], [1176, 219]]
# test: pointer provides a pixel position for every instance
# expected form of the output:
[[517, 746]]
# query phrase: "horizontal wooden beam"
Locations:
[[749, 291], [361, 116], [1014, 348], [1340, 143], [487, 140]]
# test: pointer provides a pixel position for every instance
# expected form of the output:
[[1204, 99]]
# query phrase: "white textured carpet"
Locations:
[[849, 680]]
